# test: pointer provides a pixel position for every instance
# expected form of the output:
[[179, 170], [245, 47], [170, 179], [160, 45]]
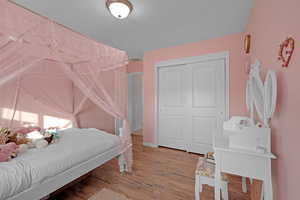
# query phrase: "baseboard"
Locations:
[[147, 144], [136, 133], [137, 130]]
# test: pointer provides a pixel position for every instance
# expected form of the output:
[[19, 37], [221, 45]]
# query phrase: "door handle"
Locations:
[[222, 115]]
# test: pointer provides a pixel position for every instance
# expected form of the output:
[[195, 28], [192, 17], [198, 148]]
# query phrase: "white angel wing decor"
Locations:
[[249, 98], [256, 89], [261, 95], [270, 87], [258, 96]]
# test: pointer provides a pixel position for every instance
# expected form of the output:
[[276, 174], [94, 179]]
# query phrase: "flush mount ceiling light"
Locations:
[[119, 8]]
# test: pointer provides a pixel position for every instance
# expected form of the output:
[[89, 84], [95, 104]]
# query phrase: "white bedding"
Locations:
[[14, 178], [75, 146]]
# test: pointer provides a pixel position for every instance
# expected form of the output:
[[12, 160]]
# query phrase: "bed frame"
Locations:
[[41, 190]]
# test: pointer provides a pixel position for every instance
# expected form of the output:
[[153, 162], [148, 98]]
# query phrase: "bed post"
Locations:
[[118, 127], [121, 159], [122, 164], [119, 132]]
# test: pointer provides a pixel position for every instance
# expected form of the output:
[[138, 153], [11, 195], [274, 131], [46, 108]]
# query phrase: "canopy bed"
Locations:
[[46, 64]]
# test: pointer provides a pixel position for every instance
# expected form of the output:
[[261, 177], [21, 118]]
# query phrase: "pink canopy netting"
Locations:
[[45, 65]]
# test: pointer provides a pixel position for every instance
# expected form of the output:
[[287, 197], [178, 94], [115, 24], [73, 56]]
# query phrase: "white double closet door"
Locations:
[[191, 105]]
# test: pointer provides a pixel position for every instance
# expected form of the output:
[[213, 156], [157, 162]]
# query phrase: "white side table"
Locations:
[[243, 163]]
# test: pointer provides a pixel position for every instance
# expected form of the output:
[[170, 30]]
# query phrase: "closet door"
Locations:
[[206, 104], [191, 105], [172, 115]]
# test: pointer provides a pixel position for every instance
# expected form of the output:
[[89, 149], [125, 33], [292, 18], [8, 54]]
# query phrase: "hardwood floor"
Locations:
[[158, 174]]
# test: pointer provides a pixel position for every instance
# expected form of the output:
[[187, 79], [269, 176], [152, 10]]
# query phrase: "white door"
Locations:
[[191, 105], [173, 90], [135, 101]]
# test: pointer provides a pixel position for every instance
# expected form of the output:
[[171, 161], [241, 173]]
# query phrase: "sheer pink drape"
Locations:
[[41, 60]]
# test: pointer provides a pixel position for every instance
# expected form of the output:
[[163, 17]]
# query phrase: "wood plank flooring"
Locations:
[[158, 174]]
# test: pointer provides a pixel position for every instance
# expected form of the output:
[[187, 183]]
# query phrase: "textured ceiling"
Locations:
[[153, 24]]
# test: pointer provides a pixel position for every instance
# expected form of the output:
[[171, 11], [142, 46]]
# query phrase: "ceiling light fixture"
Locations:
[[119, 8]]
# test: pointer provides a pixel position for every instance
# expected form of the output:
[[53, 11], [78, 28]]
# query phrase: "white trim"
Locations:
[[227, 86], [147, 144], [189, 60], [194, 59]]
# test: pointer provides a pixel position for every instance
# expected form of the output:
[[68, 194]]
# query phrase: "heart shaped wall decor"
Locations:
[[286, 51]]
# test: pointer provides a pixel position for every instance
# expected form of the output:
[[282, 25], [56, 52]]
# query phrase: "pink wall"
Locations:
[[231, 43], [34, 113], [135, 66], [94, 117], [271, 22], [30, 111]]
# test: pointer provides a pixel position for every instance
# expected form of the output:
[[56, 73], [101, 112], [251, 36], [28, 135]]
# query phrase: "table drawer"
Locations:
[[243, 165]]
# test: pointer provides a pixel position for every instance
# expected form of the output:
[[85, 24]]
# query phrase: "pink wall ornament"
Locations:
[[286, 51]]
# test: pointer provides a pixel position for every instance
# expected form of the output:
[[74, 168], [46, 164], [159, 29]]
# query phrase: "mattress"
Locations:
[[14, 178], [37, 165]]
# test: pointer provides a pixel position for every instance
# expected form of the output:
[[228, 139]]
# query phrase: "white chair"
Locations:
[[204, 175]]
